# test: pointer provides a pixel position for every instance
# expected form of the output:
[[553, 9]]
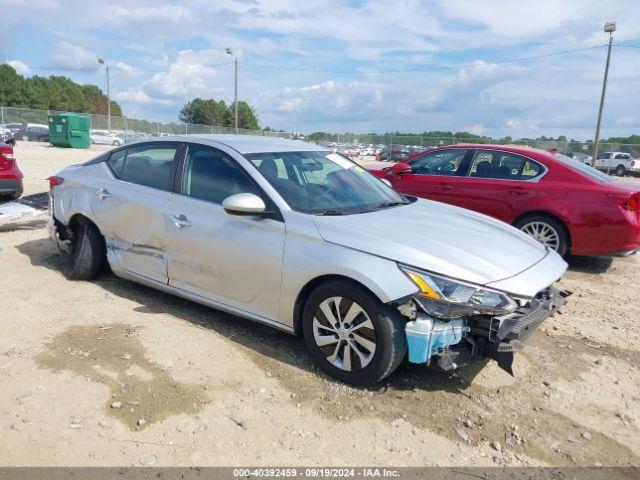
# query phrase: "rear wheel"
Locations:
[[547, 230], [116, 143], [88, 253], [620, 171], [351, 334]]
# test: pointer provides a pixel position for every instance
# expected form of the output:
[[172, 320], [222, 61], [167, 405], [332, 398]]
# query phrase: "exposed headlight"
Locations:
[[446, 298]]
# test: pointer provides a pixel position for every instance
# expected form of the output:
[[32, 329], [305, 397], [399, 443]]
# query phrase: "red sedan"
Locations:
[[10, 174], [566, 205]]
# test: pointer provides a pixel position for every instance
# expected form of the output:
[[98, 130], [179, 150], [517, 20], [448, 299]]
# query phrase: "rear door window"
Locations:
[[496, 164], [150, 165]]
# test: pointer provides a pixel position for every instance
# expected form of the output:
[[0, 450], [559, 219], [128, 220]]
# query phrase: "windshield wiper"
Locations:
[[391, 204], [330, 212]]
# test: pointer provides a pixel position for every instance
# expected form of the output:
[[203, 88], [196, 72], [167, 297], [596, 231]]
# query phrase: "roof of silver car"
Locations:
[[252, 143]]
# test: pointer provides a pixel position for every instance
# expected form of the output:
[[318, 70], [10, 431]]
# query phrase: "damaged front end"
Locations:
[[452, 323]]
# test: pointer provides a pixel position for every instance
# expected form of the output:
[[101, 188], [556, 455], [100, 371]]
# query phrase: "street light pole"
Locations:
[[235, 89], [102, 62], [609, 27]]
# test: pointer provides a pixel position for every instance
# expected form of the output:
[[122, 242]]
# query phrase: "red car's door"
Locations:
[[434, 175], [500, 184]]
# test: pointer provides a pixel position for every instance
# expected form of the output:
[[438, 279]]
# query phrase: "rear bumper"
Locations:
[[11, 186]]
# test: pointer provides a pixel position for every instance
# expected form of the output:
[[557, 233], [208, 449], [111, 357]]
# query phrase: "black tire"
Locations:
[[620, 171], [556, 225], [389, 326], [116, 143], [88, 253]]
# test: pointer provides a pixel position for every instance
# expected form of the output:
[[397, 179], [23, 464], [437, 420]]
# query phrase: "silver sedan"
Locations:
[[295, 236]]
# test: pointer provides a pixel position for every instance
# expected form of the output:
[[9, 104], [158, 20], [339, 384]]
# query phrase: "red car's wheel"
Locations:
[[547, 230]]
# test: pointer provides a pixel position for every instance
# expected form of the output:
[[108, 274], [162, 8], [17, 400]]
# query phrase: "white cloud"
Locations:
[[516, 19], [69, 55], [151, 14], [135, 96], [19, 66], [188, 74]]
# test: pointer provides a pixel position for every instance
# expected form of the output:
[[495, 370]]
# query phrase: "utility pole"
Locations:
[[235, 89], [102, 62], [609, 27]]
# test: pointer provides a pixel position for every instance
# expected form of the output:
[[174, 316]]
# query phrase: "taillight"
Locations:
[[7, 160], [630, 203], [53, 181]]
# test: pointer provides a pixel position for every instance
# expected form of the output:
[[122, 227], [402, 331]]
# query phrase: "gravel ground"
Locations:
[[113, 373]]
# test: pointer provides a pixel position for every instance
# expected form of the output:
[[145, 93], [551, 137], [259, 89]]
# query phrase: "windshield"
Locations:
[[324, 183], [585, 169]]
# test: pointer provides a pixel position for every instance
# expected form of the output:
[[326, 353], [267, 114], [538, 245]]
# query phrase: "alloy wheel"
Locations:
[[543, 233], [344, 333]]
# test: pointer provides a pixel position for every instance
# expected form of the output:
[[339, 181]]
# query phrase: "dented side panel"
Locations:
[[130, 217]]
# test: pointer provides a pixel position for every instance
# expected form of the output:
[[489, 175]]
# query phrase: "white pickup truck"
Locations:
[[614, 162]]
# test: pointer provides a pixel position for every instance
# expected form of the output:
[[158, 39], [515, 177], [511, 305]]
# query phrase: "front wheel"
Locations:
[[116, 143], [351, 334], [546, 230]]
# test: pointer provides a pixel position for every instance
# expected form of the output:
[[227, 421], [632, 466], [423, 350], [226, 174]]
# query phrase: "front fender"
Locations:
[[306, 260]]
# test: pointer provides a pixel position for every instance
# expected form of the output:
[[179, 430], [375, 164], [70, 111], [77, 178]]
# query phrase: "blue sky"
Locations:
[[360, 66]]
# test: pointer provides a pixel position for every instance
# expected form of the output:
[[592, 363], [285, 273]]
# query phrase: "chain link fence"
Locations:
[[133, 129], [128, 128]]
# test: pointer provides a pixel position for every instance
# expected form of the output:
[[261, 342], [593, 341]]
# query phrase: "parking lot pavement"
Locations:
[[113, 373]]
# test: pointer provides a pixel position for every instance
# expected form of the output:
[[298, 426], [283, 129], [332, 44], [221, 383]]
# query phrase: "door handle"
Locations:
[[443, 187], [103, 193], [180, 221], [517, 191]]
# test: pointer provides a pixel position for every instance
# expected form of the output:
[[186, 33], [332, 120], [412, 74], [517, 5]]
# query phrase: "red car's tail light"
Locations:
[[53, 181], [6, 160], [630, 203]]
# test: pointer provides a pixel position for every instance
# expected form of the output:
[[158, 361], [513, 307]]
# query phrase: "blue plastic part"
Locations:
[[426, 336]]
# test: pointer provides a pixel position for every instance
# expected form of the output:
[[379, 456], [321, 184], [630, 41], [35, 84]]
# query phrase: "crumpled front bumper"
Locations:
[[485, 336], [509, 333]]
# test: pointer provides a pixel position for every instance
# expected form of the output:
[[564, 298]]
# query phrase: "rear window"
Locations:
[[585, 169]]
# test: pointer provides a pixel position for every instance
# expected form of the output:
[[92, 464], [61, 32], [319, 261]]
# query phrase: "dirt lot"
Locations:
[[113, 373]]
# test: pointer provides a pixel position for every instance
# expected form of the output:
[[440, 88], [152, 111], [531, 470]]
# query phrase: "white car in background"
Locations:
[[614, 162], [634, 168], [100, 137]]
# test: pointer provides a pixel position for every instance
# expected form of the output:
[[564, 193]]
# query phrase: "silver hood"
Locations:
[[439, 238]]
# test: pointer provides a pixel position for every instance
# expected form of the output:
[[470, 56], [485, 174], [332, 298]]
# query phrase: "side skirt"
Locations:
[[118, 271]]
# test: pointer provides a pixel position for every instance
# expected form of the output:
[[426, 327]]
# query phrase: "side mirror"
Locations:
[[400, 169], [244, 204]]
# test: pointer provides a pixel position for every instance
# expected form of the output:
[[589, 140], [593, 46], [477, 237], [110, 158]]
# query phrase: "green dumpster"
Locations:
[[69, 130]]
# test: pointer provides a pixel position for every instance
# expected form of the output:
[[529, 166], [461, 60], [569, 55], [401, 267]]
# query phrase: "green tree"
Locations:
[[52, 93], [247, 117]]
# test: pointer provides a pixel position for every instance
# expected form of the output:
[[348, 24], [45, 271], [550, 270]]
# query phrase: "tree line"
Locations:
[[51, 93]]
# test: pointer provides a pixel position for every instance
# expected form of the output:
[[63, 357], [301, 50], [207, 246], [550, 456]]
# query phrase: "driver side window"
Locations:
[[211, 175], [440, 162]]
